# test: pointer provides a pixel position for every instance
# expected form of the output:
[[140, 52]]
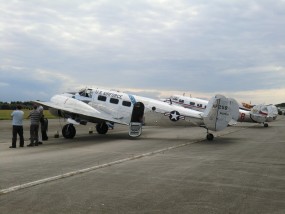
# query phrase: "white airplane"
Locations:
[[103, 107], [273, 110], [270, 109], [258, 113]]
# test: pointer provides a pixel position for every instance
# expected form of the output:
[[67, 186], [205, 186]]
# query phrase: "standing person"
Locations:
[[44, 128], [41, 110], [34, 127], [17, 122]]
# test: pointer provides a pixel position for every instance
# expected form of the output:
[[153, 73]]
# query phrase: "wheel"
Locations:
[[265, 124], [210, 136], [68, 131], [102, 128]]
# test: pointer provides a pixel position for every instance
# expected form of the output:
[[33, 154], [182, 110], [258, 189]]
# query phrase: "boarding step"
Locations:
[[135, 129]]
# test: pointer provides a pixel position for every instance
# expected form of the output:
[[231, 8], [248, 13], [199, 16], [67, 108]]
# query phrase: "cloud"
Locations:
[[206, 47], [4, 84]]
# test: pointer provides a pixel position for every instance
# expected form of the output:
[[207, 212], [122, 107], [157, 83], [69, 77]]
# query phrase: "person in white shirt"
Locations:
[[17, 122]]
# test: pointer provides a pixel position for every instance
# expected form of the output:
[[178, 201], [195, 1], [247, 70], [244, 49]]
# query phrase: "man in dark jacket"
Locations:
[[44, 127]]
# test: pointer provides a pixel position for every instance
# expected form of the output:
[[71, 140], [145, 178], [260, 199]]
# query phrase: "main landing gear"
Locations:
[[102, 128], [265, 124], [69, 131]]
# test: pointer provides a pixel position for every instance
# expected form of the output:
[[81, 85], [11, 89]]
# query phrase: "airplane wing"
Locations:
[[71, 108]]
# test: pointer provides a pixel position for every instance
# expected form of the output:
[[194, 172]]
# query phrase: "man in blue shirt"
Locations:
[[17, 122]]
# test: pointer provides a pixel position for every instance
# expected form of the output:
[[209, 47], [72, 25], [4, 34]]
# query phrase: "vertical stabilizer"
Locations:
[[219, 112]]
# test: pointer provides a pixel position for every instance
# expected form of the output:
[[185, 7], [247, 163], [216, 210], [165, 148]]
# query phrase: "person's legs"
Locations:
[[40, 136], [21, 134], [14, 138], [32, 134], [36, 135]]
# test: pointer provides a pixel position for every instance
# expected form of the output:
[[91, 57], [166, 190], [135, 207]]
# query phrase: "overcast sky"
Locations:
[[153, 48]]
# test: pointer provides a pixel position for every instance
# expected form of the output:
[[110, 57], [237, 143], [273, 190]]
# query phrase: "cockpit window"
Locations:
[[86, 93], [89, 93], [82, 93]]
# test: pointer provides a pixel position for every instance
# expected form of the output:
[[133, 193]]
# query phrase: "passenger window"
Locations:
[[102, 98], [114, 101], [192, 103], [126, 103]]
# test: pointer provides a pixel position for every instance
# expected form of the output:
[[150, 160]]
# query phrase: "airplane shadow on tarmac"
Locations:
[[260, 127], [93, 139], [85, 139], [220, 141]]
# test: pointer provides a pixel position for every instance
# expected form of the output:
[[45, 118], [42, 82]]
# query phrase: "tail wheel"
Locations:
[[102, 128], [68, 131], [210, 137]]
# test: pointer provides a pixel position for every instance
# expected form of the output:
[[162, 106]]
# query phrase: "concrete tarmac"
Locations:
[[165, 170]]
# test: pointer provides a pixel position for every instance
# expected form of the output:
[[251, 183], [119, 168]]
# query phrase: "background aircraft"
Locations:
[[102, 106], [257, 114]]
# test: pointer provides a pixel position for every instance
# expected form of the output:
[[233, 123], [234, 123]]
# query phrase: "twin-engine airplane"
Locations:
[[257, 113], [107, 106], [271, 109]]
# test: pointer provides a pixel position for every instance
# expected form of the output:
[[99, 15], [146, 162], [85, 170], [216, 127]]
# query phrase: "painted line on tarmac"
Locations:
[[232, 131], [81, 171]]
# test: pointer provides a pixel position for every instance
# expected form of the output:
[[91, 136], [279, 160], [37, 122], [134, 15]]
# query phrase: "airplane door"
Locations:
[[138, 112], [135, 128]]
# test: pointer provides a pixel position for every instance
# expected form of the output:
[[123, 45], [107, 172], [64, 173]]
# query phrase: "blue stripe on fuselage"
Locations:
[[132, 98]]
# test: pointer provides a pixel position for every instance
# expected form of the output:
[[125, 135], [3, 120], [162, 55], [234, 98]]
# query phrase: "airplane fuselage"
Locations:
[[120, 106]]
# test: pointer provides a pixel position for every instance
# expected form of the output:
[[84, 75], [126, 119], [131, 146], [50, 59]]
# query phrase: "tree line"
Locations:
[[12, 105], [281, 105]]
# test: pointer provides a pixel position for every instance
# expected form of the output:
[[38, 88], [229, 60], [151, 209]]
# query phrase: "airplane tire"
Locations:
[[102, 128], [68, 131], [210, 137], [265, 124]]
